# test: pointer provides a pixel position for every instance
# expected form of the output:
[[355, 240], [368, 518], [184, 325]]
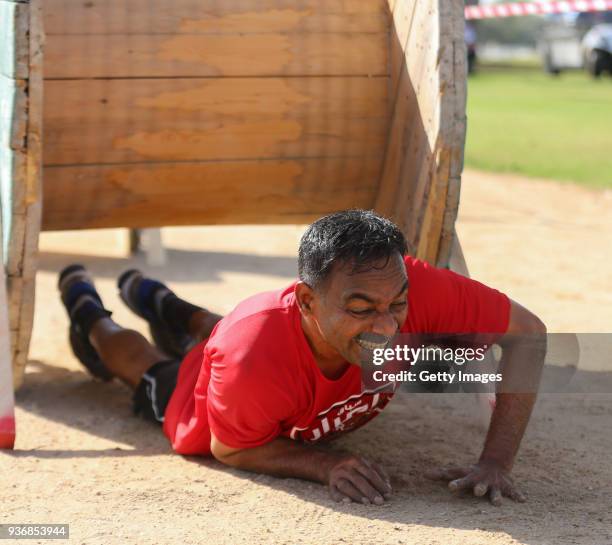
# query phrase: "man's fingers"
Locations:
[[495, 496], [365, 487], [446, 473], [375, 479], [385, 476], [481, 479], [459, 485], [348, 489], [514, 494], [481, 489], [381, 471], [336, 495]]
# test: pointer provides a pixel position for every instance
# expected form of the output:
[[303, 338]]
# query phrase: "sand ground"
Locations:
[[81, 458]]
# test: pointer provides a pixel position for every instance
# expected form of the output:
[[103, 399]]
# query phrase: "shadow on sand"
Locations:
[[414, 434], [183, 265]]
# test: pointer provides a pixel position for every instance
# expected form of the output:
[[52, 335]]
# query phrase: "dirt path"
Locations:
[[81, 459], [545, 244]]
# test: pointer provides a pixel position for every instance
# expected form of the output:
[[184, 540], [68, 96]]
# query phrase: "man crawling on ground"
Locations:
[[259, 388]]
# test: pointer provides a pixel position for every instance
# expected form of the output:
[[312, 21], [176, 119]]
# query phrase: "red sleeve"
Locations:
[[442, 301], [248, 396]]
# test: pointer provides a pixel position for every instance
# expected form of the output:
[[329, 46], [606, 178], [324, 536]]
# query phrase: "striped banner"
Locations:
[[520, 9]]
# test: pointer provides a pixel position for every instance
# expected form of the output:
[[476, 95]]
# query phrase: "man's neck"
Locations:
[[328, 360]]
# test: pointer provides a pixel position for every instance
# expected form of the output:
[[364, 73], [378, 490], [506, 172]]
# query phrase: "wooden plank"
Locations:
[[448, 235], [13, 122], [13, 165], [441, 209], [16, 244], [13, 39], [14, 286], [409, 150], [20, 153], [149, 195], [212, 16], [431, 227], [205, 55], [402, 15], [18, 122], [14, 59], [427, 131], [10, 67], [25, 330], [33, 192], [428, 189], [6, 205], [119, 121], [7, 90], [33, 195], [454, 129]]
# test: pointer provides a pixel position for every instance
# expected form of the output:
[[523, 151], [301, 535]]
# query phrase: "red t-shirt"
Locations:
[[255, 377]]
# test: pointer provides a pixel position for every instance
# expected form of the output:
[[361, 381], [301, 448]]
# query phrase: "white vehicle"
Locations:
[[597, 49], [577, 40]]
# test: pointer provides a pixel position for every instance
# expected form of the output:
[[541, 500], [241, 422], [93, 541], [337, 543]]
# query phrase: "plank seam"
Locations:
[[217, 77], [214, 161]]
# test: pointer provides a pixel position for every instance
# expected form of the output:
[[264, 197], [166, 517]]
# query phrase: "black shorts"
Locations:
[[153, 393]]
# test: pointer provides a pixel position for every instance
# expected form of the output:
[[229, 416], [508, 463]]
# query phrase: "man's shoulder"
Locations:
[[441, 300], [266, 305], [265, 319], [421, 272]]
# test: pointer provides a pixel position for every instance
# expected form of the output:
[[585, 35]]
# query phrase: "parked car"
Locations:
[[577, 40], [597, 49]]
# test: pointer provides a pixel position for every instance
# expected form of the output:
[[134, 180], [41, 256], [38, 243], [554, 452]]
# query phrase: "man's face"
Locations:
[[357, 311]]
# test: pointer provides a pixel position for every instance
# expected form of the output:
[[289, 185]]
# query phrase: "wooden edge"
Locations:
[[401, 23], [26, 312], [454, 122], [437, 231], [402, 15], [14, 47], [35, 118], [115, 17], [435, 207], [19, 126], [413, 185], [32, 194]]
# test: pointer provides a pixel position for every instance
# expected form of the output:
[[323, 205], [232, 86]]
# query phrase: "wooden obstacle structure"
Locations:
[[234, 112], [21, 88]]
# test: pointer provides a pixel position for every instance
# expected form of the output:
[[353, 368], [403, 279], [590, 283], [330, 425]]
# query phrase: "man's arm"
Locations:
[[524, 350], [348, 477]]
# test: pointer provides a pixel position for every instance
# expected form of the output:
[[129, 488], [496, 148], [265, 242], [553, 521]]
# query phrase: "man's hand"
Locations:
[[481, 478], [349, 478], [355, 478], [523, 352]]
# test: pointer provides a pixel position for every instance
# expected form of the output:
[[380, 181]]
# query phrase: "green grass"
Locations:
[[529, 123]]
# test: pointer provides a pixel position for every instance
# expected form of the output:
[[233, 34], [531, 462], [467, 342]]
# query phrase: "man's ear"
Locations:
[[305, 297]]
